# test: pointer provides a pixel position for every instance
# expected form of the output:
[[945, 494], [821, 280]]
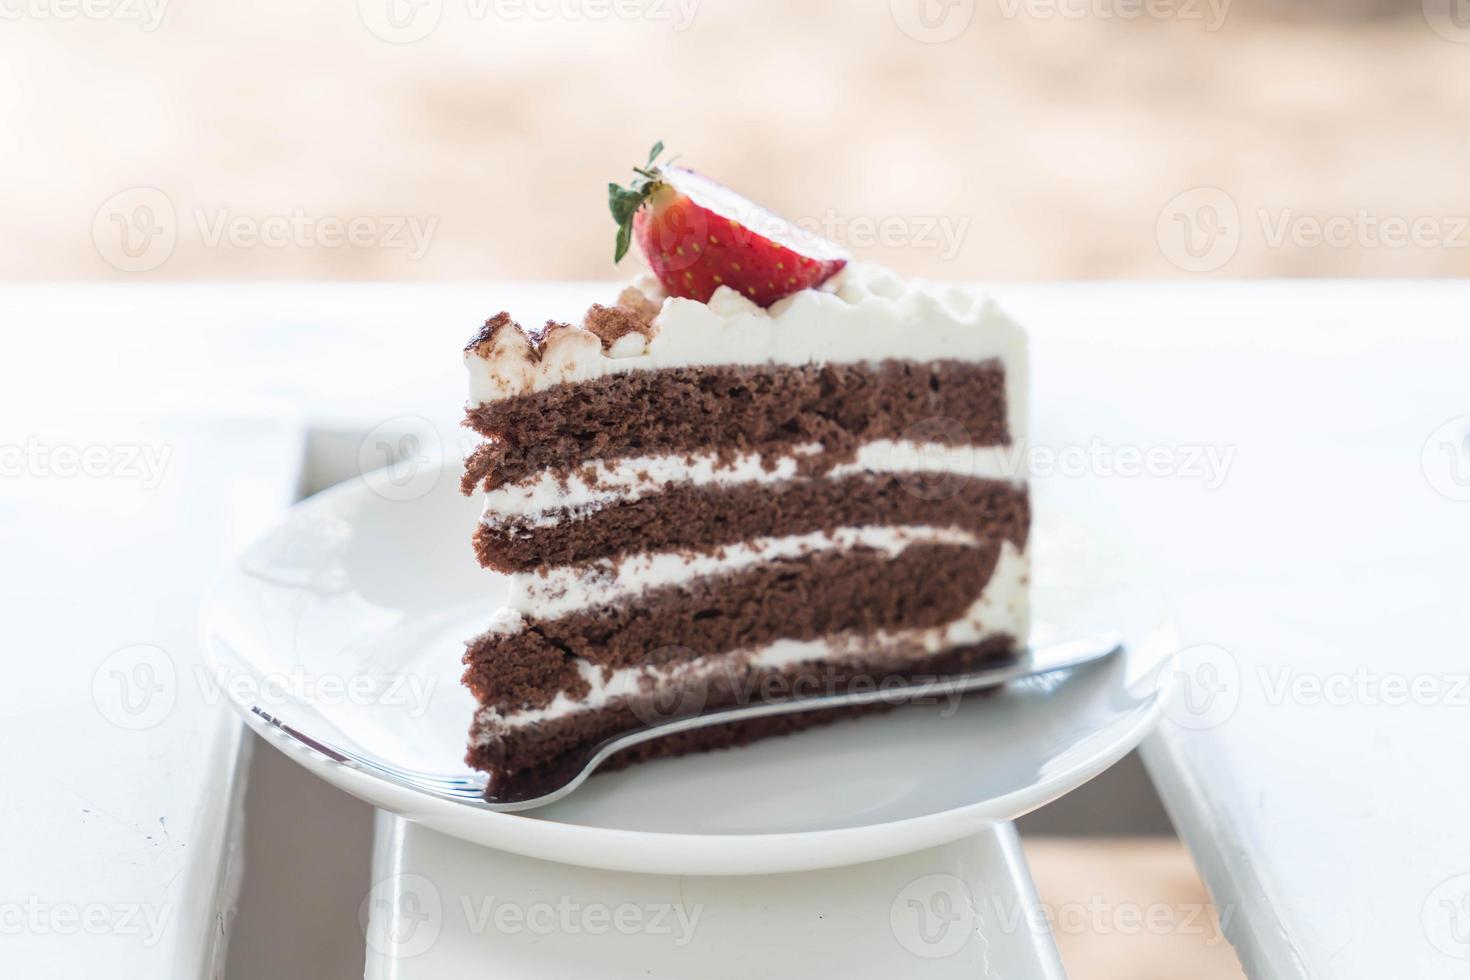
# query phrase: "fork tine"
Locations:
[[440, 784]]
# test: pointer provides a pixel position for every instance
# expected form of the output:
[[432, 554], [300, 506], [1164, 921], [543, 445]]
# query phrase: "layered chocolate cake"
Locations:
[[716, 491]]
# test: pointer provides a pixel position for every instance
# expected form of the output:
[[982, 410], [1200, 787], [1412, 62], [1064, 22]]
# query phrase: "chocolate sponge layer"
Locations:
[[706, 517], [738, 409], [805, 598]]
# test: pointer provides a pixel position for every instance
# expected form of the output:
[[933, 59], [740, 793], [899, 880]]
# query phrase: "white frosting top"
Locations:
[[864, 313]]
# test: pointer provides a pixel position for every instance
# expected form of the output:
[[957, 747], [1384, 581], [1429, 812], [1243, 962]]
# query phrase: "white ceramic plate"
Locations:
[[347, 622]]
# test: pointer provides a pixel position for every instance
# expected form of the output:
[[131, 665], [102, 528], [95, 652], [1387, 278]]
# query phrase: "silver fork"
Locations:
[[476, 790]]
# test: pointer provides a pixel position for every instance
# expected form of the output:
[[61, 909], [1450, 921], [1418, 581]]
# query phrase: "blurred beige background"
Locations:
[[990, 139], [150, 141]]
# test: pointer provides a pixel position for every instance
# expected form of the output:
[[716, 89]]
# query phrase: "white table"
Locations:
[[1334, 833], [442, 908], [1332, 825], [123, 771]]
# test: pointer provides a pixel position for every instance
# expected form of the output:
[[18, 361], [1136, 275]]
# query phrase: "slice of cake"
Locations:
[[765, 473]]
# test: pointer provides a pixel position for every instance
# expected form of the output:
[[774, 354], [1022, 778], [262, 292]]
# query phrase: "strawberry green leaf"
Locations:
[[625, 238], [624, 202]]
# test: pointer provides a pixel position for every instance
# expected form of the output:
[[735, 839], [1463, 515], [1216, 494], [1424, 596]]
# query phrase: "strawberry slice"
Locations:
[[698, 235]]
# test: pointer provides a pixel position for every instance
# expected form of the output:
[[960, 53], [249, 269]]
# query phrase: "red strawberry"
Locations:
[[698, 235]]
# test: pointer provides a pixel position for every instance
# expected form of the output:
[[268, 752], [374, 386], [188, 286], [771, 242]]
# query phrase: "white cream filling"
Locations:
[[568, 588], [1002, 609], [865, 314], [544, 495], [543, 499]]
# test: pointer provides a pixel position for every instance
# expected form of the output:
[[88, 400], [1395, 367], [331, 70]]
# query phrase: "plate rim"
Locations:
[[665, 852], [709, 854]]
